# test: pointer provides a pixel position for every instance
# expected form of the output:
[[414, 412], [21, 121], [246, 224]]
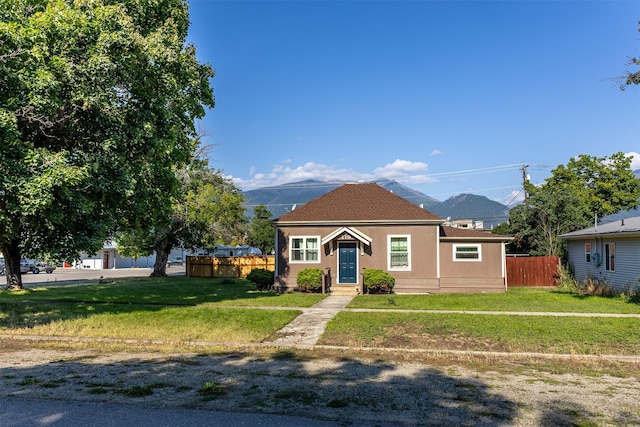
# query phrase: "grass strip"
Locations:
[[126, 321], [516, 299], [548, 334]]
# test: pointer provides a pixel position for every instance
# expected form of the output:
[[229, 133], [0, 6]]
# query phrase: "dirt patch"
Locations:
[[334, 387]]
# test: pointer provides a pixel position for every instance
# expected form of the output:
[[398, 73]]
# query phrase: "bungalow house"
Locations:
[[360, 226], [609, 252]]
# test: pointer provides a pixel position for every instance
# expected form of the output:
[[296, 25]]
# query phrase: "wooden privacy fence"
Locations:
[[233, 266], [532, 271]]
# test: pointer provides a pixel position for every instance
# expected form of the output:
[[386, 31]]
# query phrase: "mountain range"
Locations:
[[283, 198]]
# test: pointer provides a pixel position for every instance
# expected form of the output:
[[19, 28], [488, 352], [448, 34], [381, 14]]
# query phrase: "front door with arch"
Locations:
[[347, 263]]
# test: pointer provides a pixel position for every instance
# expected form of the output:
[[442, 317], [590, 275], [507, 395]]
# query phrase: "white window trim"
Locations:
[[292, 261], [588, 254], [477, 245], [408, 237]]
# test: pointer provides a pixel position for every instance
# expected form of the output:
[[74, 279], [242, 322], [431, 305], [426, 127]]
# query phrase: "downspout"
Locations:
[[504, 266], [438, 254], [276, 254]]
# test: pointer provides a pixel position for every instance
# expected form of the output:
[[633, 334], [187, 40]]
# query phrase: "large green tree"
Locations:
[[586, 188], [207, 210], [631, 77], [261, 230], [97, 106]]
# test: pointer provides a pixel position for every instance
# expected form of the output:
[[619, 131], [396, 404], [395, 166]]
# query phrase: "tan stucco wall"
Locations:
[[486, 275], [423, 253]]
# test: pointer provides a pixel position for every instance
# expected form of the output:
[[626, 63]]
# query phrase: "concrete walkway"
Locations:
[[306, 329]]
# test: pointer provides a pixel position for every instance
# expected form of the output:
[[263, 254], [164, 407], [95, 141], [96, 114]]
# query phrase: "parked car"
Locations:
[[44, 266], [27, 265], [175, 261]]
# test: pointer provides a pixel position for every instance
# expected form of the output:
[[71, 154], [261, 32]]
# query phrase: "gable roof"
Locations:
[[359, 203], [352, 231], [626, 227], [452, 233]]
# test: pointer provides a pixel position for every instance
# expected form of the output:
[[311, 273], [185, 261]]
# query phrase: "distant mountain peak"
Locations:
[[280, 199]]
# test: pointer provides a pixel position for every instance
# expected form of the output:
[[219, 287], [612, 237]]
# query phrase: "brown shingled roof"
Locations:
[[457, 233], [358, 202]]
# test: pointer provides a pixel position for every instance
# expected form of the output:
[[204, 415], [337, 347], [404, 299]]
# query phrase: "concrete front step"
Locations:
[[344, 290]]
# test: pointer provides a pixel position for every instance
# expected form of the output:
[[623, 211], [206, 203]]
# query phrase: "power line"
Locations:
[[475, 171]]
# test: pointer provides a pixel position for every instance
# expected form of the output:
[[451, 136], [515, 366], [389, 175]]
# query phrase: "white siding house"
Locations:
[[609, 252], [109, 258]]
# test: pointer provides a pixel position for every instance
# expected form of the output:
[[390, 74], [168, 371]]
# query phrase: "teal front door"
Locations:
[[347, 259]]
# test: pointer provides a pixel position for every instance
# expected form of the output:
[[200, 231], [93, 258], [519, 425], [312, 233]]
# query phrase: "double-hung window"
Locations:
[[609, 256], [399, 252], [469, 252], [304, 249]]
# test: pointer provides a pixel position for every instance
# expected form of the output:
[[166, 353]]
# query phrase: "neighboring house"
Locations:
[[609, 252], [360, 226], [109, 258], [465, 223]]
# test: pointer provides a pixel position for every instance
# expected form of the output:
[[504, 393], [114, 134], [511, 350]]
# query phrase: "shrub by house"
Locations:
[[262, 278], [378, 281], [310, 280]]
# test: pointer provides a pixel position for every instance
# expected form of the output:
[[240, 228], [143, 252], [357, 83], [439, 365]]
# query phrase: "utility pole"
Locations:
[[525, 179]]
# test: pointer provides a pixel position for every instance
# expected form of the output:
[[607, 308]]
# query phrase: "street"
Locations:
[[17, 412], [63, 276]]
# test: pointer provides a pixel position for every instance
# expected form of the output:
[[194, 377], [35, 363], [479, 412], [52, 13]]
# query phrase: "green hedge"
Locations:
[[310, 280], [378, 281], [263, 279]]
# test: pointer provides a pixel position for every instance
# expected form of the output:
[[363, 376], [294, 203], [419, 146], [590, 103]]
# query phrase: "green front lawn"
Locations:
[[190, 309], [509, 333], [516, 299]]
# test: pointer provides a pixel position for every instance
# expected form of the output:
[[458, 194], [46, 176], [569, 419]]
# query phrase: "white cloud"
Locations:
[[400, 168], [403, 171], [635, 161], [282, 174], [436, 152]]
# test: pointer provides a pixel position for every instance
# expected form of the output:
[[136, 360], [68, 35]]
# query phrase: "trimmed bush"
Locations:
[[310, 280], [378, 281], [263, 279]]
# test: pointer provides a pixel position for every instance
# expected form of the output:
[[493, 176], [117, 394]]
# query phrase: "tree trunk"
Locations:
[[163, 249], [11, 252]]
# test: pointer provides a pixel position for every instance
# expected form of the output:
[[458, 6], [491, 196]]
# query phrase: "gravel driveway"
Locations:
[[344, 390]]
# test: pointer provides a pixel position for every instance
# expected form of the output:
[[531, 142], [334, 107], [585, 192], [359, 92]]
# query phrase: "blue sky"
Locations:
[[444, 97]]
